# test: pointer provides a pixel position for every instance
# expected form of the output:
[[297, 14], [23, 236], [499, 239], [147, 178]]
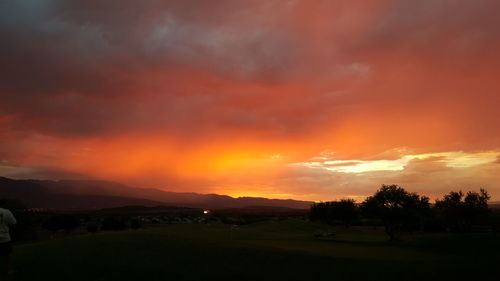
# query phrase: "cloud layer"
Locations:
[[229, 96]]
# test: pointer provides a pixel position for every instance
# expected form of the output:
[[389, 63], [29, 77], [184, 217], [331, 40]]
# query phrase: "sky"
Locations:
[[312, 100]]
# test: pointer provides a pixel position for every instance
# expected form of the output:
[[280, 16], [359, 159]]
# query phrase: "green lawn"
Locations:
[[285, 250]]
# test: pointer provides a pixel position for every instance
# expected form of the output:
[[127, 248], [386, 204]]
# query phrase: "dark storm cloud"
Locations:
[[81, 67], [70, 60]]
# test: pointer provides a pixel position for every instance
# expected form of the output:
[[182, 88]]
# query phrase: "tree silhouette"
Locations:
[[92, 227], [396, 208], [345, 211], [462, 211], [112, 223], [135, 223], [65, 222]]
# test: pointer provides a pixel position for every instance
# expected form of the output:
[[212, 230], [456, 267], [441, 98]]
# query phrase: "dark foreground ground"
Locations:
[[285, 250]]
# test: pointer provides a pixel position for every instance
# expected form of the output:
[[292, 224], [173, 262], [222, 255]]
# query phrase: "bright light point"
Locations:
[[206, 212]]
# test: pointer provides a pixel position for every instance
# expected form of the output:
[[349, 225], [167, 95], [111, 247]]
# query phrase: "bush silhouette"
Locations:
[[112, 223], [68, 223], [92, 227], [135, 224]]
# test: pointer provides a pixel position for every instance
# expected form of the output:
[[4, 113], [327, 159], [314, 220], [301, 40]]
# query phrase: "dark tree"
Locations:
[[92, 227], [70, 223], [112, 223], [135, 223], [52, 224], [67, 223], [396, 208], [319, 211], [344, 211], [462, 211]]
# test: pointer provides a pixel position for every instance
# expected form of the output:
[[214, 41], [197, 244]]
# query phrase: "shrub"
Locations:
[[92, 227], [112, 223], [135, 224], [65, 222]]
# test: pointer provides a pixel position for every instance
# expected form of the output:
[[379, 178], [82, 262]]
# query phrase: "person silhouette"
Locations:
[[7, 220]]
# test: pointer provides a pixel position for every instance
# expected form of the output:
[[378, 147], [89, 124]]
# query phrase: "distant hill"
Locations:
[[145, 210], [85, 194], [36, 194]]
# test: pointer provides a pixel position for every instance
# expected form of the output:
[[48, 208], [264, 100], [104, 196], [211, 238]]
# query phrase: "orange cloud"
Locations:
[[226, 97]]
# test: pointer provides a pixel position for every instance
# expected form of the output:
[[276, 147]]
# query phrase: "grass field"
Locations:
[[285, 250]]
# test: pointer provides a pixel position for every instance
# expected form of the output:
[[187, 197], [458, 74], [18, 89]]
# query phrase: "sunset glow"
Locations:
[[253, 98]]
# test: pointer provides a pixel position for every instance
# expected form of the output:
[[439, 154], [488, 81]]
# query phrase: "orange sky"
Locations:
[[313, 100]]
